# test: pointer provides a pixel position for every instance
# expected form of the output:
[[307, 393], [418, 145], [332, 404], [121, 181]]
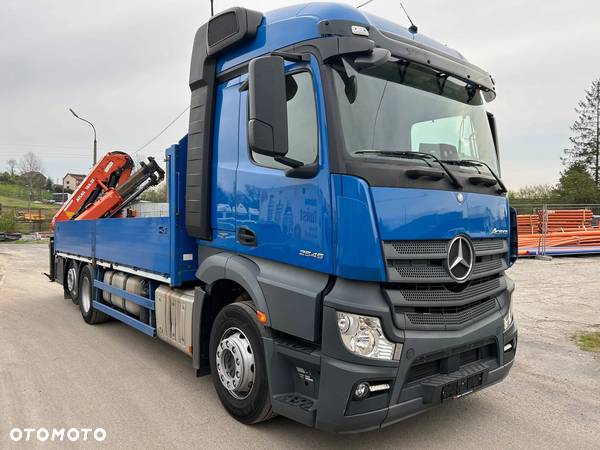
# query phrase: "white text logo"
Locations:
[[57, 434]]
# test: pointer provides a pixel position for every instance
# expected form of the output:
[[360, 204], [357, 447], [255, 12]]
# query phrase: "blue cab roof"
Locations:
[[292, 24]]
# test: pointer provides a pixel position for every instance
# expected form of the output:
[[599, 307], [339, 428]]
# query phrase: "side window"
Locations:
[[303, 138]]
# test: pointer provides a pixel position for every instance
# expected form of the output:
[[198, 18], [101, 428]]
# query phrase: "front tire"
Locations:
[[86, 295], [237, 362]]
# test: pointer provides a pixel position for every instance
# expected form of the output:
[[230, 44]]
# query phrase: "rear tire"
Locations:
[[86, 296], [237, 362], [72, 282]]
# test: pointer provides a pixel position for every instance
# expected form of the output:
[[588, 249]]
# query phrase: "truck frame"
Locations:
[[310, 267]]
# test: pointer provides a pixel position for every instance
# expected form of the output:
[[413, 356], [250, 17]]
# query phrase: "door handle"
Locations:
[[246, 236]]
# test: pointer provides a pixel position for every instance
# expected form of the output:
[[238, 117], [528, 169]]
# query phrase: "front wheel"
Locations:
[[237, 363]]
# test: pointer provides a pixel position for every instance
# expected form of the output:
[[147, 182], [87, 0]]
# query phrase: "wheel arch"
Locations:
[[227, 268], [227, 278]]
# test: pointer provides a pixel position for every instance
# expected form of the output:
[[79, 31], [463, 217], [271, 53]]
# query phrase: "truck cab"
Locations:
[[378, 200], [346, 229]]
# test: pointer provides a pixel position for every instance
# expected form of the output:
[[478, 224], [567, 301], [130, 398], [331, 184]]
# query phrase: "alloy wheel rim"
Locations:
[[72, 280], [85, 295], [235, 363]]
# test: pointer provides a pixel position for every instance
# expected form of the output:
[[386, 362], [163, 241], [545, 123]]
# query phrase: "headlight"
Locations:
[[508, 318], [364, 336]]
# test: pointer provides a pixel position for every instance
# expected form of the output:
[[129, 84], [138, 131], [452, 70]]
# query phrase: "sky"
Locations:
[[124, 65]]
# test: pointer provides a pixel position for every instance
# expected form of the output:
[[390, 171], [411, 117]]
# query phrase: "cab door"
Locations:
[[279, 217], [224, 164]]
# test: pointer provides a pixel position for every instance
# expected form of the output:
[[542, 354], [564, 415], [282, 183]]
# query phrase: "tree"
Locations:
[[585, 142], [156, 195], [30, 168], [539, 193], [576, 185], [12, 164]]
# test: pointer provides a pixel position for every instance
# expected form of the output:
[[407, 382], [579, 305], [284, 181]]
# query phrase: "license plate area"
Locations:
[[464, 386]]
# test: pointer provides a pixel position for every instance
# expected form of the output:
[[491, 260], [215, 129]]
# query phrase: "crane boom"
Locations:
[[109, 188]]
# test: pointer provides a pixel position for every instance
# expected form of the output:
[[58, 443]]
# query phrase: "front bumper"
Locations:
[[430, 362], [338, 412]]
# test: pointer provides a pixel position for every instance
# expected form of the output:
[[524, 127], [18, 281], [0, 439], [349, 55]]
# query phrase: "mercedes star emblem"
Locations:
[[460, 258]]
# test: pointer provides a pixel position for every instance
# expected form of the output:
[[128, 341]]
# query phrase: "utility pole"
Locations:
[[93, 128]]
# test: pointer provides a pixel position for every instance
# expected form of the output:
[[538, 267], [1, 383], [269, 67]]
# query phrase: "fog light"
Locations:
[[508, 347], [361, 391], [379, 387]]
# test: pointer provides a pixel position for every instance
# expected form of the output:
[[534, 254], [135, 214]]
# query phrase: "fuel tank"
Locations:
[[129, 283]]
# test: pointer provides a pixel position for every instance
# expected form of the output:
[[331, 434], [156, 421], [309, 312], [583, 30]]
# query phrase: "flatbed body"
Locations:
[[157, 247]]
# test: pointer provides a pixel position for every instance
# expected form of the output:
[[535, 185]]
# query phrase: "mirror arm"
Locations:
[[305, 171], [293, 57], [294, 164]]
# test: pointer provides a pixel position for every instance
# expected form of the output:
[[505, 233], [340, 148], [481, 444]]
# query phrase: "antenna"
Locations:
[[413, 28], [364, 4], [212, 8]]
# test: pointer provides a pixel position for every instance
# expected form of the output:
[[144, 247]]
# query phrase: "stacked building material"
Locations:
[[568, 232], [528, 224], [568, 220]]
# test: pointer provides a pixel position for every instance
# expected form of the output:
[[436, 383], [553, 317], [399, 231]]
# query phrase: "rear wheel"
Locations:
[[73, 282], [86, 294], [237, 363]]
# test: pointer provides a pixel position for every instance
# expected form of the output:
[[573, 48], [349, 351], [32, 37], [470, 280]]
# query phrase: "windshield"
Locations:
[[400, 106]]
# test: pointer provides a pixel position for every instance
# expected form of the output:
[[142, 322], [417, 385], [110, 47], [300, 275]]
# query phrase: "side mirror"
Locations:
[[267, 107], [377, 57]]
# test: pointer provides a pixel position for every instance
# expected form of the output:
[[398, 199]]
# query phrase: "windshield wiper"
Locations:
[[475, 163], [416, 155]]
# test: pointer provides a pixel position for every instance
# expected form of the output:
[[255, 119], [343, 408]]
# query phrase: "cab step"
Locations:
[[296, 407]]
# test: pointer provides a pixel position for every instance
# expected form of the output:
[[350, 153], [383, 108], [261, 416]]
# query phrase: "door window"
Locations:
[[302, 122]]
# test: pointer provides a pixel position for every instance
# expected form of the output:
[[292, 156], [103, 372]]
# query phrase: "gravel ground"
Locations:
[[56, 371]]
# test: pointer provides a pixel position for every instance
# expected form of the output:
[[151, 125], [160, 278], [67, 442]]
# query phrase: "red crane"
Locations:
[[109, 188]]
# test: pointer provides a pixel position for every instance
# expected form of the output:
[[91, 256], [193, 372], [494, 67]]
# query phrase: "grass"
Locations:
[[14, 200], [589, 342], [21, 203], [15, 195]]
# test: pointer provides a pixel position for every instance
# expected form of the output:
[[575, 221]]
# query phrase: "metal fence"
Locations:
[[533, 208], [586, 224]]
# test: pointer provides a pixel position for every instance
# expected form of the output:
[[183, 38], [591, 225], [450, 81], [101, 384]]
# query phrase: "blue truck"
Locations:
[[338, 232]]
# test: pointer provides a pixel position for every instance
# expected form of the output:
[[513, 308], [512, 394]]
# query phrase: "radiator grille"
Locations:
[[441, 293], [424, 295], [419, 247], [496, 264], [408, 270], [435, 270], [453, 315], [486, 245], [426, 261]]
